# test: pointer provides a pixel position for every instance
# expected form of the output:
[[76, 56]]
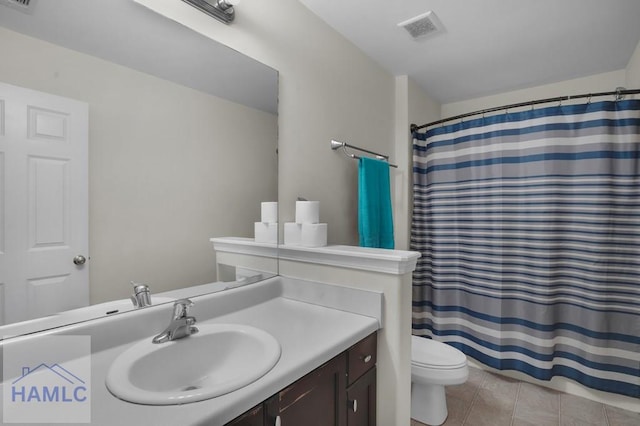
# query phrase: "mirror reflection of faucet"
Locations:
[[141, 295], [181, 325]]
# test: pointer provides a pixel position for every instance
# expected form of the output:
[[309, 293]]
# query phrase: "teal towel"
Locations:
[[375, 219]]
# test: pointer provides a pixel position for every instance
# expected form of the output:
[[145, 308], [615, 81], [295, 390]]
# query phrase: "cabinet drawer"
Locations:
[[362, 357]]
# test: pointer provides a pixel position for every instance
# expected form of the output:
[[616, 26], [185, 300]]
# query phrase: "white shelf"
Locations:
[[397, 262]]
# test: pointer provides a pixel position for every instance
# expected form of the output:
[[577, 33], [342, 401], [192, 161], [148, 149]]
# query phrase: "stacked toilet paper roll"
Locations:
[[269, 212], [292, 233], [306, 230], [313, 235], [307, 212], [266, 231]]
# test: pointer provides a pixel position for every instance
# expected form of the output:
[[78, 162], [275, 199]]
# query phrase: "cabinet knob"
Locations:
[[354, 405], [278, 421], [366, 358]]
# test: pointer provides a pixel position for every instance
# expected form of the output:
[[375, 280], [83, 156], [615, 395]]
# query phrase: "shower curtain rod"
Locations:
[[337, 144], [620, 92]]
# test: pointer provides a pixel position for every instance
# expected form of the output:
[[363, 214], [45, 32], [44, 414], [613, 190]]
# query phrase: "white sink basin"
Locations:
[[219, 359]]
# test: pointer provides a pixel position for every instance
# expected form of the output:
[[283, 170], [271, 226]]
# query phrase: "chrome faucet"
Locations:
[[141, 295], [181, 324]]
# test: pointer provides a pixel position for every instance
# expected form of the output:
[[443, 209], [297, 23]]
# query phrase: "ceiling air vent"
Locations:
[[422, 25], [25, 6]]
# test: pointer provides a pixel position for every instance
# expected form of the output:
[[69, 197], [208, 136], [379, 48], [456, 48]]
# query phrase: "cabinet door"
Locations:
[[318, 399], [253, 417], [361, 397]]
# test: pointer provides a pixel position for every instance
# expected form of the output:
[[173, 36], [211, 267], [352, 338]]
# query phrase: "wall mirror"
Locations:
[[127, 141]]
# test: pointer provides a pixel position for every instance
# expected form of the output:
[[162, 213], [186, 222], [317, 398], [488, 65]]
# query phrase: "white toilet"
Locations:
[[434, 365]]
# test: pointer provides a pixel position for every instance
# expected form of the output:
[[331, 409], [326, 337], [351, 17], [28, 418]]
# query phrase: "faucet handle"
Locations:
[[141, 295], [180, 308]]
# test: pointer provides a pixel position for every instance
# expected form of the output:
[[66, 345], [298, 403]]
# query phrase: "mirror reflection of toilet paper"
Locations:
[[307, 211], [269, 212], [266, 233]]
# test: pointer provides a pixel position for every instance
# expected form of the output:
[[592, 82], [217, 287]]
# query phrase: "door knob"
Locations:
[[79, 260]]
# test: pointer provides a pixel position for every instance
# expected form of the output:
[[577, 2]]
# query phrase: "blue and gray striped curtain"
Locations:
[[529, 229]]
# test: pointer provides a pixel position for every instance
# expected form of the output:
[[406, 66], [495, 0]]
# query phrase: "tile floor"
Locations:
[[488, 399]]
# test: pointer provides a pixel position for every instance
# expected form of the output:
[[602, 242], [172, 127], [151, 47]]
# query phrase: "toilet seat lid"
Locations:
[[432, 353]]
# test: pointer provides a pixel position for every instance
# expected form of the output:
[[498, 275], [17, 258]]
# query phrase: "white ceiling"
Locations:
[[490, 46], [128, 34]]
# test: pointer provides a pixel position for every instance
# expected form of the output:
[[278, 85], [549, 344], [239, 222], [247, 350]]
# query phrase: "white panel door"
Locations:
[[43, 204]]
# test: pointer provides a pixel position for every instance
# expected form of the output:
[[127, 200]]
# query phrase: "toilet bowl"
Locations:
[[434, 365]]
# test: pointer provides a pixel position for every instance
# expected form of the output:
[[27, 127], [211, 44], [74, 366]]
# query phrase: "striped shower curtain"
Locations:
[[529, 229]]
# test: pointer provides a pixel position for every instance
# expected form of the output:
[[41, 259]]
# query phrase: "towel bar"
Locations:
[[337, 144]]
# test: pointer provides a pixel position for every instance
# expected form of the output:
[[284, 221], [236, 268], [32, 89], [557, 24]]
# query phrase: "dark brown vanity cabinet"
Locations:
[[361, 401], [341, 392], [253, 417], [318, 399], [361, 382]]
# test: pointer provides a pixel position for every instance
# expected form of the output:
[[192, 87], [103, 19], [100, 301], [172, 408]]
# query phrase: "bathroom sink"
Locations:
[[219, 359]]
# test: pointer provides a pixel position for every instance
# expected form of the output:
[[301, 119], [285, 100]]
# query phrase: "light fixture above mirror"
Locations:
[[222, 10]]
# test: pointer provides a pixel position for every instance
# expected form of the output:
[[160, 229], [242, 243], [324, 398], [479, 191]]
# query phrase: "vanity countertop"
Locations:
[[309, 334]]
